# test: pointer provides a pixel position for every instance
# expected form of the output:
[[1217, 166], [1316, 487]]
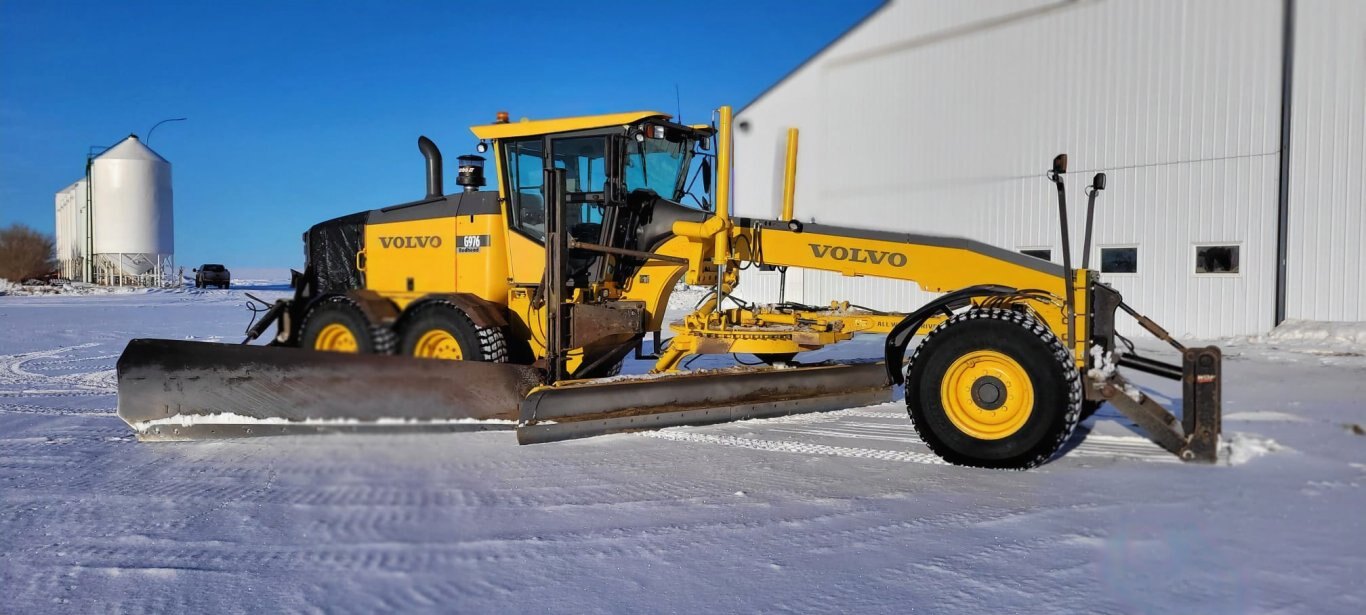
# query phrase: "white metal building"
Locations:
[[1221, 217], [126, 200]]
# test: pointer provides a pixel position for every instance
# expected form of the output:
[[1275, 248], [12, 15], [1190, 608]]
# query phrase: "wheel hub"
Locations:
[[336, 337], [438, 344], [987, 394]]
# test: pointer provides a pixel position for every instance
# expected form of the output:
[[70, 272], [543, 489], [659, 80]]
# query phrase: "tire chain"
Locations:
[[492, 343], [384, 339], [1060, 353]]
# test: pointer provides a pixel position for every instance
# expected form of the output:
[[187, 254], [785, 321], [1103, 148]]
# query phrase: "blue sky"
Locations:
[[302, 111]]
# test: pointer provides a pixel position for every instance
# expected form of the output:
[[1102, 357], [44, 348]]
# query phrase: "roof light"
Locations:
[[501, 118]]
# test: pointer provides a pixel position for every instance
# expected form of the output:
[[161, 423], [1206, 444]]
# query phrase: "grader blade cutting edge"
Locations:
[[583, 409], [179, 390]]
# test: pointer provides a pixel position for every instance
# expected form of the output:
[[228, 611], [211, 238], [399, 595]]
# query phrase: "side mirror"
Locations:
[[1098, 182], [194, 271], [706, 176], [1060, 164]]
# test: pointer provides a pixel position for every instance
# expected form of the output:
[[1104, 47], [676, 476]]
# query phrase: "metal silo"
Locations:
[[71, 204], [130, 196]]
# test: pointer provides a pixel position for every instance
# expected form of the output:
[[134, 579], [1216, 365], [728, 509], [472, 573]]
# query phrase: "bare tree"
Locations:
[[25, 253]]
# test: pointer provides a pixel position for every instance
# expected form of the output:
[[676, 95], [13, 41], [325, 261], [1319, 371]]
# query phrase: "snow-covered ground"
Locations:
[[836, 512]]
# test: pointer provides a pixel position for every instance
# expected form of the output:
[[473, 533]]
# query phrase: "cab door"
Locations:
[[524, 162]]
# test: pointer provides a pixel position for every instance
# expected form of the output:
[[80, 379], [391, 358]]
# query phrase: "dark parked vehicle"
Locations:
[[212, 275]]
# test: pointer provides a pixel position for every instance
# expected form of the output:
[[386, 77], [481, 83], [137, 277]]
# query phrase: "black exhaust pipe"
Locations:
[[433, 156]]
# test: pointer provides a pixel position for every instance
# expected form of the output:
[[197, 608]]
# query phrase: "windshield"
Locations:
[[657, 164]]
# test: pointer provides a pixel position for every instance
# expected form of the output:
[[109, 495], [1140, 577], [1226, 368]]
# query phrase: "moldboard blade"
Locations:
[[583, 409], [178, 390]]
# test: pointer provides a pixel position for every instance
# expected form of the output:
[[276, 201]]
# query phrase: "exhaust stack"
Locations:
[[433, 156]]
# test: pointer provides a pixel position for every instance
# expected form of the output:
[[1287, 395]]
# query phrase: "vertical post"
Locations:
[[789, 200], [1097, 184], [723, 161], [790, 176], [1283, 191], [556, 247], [88, 275], [1202, 402], [721, 239], [1059, 168]]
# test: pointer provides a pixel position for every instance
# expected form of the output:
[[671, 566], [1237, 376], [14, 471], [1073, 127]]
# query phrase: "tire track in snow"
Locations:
[[54, 411], [805, 448], [14, 372], [1122, 447], [445, 573], [439, 594], [800, 533], [999, 561], [456, 507], [898, 429]]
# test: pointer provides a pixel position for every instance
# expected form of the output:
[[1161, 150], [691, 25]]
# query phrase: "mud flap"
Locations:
[[179, 390], [587, 408]]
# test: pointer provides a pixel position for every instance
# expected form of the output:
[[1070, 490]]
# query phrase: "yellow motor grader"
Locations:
[[518, 304]]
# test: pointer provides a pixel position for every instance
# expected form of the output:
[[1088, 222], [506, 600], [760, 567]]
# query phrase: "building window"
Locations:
[[1216, 259], [1119, 260], [1040, 253]]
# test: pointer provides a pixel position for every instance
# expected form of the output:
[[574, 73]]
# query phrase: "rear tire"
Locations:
[[993, 388], [337, 324], [440, 330]]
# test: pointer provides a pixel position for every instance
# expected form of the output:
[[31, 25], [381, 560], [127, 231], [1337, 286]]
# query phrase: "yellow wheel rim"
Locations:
[[438, 344], [336, 337], [987, 395]]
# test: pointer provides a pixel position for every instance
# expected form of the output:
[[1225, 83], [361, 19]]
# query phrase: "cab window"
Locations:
[[658, 164], [526, 176], [584, 160]]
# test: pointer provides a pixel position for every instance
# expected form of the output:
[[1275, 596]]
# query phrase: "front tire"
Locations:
[[337, 324], [440, 330], [993, 388]]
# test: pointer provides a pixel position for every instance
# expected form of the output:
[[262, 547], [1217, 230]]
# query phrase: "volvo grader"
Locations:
[[515, 306]]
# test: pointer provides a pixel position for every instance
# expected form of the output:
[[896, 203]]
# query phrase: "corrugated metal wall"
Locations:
[[941, 117], [1326, 260]]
